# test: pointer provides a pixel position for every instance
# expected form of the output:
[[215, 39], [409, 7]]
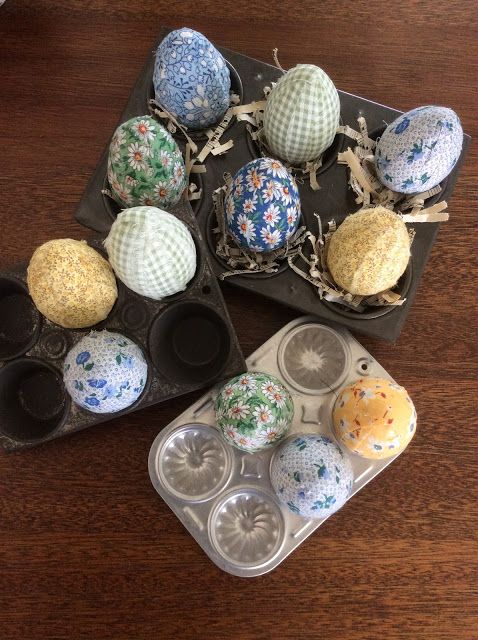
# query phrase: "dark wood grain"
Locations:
[[87, 549]]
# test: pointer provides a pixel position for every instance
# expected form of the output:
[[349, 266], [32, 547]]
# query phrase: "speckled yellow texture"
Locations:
[[369, 251], [71, 283], [374, 417]]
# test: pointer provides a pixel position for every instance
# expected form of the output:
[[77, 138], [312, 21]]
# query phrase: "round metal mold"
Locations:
[[33, 400], [313, 358], [55, 342], [246, 527], [135, 314], [193, 463], [19, 319]]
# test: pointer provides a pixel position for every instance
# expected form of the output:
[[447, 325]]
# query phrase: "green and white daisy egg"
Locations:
[[311, 475], [145, 165], [105, 372], [254, 411]]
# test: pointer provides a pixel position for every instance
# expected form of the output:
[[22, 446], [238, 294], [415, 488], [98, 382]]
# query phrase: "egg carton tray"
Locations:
[[224, 496], [187, 339], [334, 200]]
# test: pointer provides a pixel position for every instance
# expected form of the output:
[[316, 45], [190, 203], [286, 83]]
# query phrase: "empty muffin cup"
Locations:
[[19, 319], [189, 343], [33, 400]]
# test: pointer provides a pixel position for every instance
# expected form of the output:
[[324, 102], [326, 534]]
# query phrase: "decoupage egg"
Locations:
[[71, 284], [151, 251], [145, 165], [419, 149], [374, 418], [302, 114], [254, 411], [369, 251], [105, 372], [262, 206], [191, 79], [311, 475]]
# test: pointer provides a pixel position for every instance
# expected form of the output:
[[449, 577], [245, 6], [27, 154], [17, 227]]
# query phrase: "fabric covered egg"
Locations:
[[369, 251], [71, 284], [145, 165], [374, 418], [151, 251], [419, 149], [254, 411], [191, 79], [262, 206], [302, 114], [311, 475], [105, 372]]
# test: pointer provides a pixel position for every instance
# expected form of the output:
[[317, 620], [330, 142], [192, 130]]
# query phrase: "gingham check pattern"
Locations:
[[151, 251], [302, 114]]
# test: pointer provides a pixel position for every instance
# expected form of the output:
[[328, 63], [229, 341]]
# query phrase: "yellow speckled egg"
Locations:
[[71, 283], [369, 251], [375, 418]]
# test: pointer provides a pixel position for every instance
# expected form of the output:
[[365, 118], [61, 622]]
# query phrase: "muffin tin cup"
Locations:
[[19, 319], [235, 516]]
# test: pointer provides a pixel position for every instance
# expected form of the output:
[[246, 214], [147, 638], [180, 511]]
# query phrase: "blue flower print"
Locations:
[[92, 401], [300, 443], [128, 362], [110, 392], [83, 357], [424, 178], [293, 508], [326, 503], [297, 476], [402, 125], [96, 383], [322, 471], [407, 183], [416, 152]]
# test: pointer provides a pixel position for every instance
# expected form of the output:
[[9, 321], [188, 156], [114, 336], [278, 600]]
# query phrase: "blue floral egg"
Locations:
[[105, 372], [191, 79], [262, 206], [419, 149]]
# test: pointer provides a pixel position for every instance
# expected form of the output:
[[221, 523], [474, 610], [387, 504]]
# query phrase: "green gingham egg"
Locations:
[[311, 475], [151, 252], [145, 165], [254, 411], [302, 114]]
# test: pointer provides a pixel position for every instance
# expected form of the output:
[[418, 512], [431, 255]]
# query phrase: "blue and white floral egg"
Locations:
[[191, 79], [311, 475], [105, 372], [419, 149], [262, 206]]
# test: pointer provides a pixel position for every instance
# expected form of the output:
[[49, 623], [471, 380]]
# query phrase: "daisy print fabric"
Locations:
[[145, 165], [254, 411], [262, 206]]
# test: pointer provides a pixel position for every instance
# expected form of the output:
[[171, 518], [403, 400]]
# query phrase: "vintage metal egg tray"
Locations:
[[188, 340], [224, 496], [333, 201]]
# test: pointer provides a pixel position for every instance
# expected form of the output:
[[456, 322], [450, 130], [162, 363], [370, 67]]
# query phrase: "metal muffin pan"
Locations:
[[334, 200], [34, 404], [224, 496]]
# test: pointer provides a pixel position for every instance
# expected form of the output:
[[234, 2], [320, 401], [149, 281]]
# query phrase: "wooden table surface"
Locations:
[[87, 548]]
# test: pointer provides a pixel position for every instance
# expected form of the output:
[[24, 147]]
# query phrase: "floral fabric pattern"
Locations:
[[145, 165], [419, 149], [191, 79], [105, 372], [254, 411], [262, 206], [311, 475]]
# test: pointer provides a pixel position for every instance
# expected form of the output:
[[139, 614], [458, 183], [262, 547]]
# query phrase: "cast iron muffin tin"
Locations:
[[334, 200], [188, 340], [223, 496]]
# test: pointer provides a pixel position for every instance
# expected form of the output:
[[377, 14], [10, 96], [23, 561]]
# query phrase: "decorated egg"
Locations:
[[374, 418], [419, 149], [71, 284], [191, 79], [145, 165], [262, 206], [311, 475], [369, 251], [105, 372], [302, 114], [151, 251], [254, 411]]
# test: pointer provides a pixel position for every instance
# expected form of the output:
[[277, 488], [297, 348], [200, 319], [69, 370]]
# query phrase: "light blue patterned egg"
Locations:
[[419, 149], [105, 372], [262, 206], [311, 475], [191, 79]]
